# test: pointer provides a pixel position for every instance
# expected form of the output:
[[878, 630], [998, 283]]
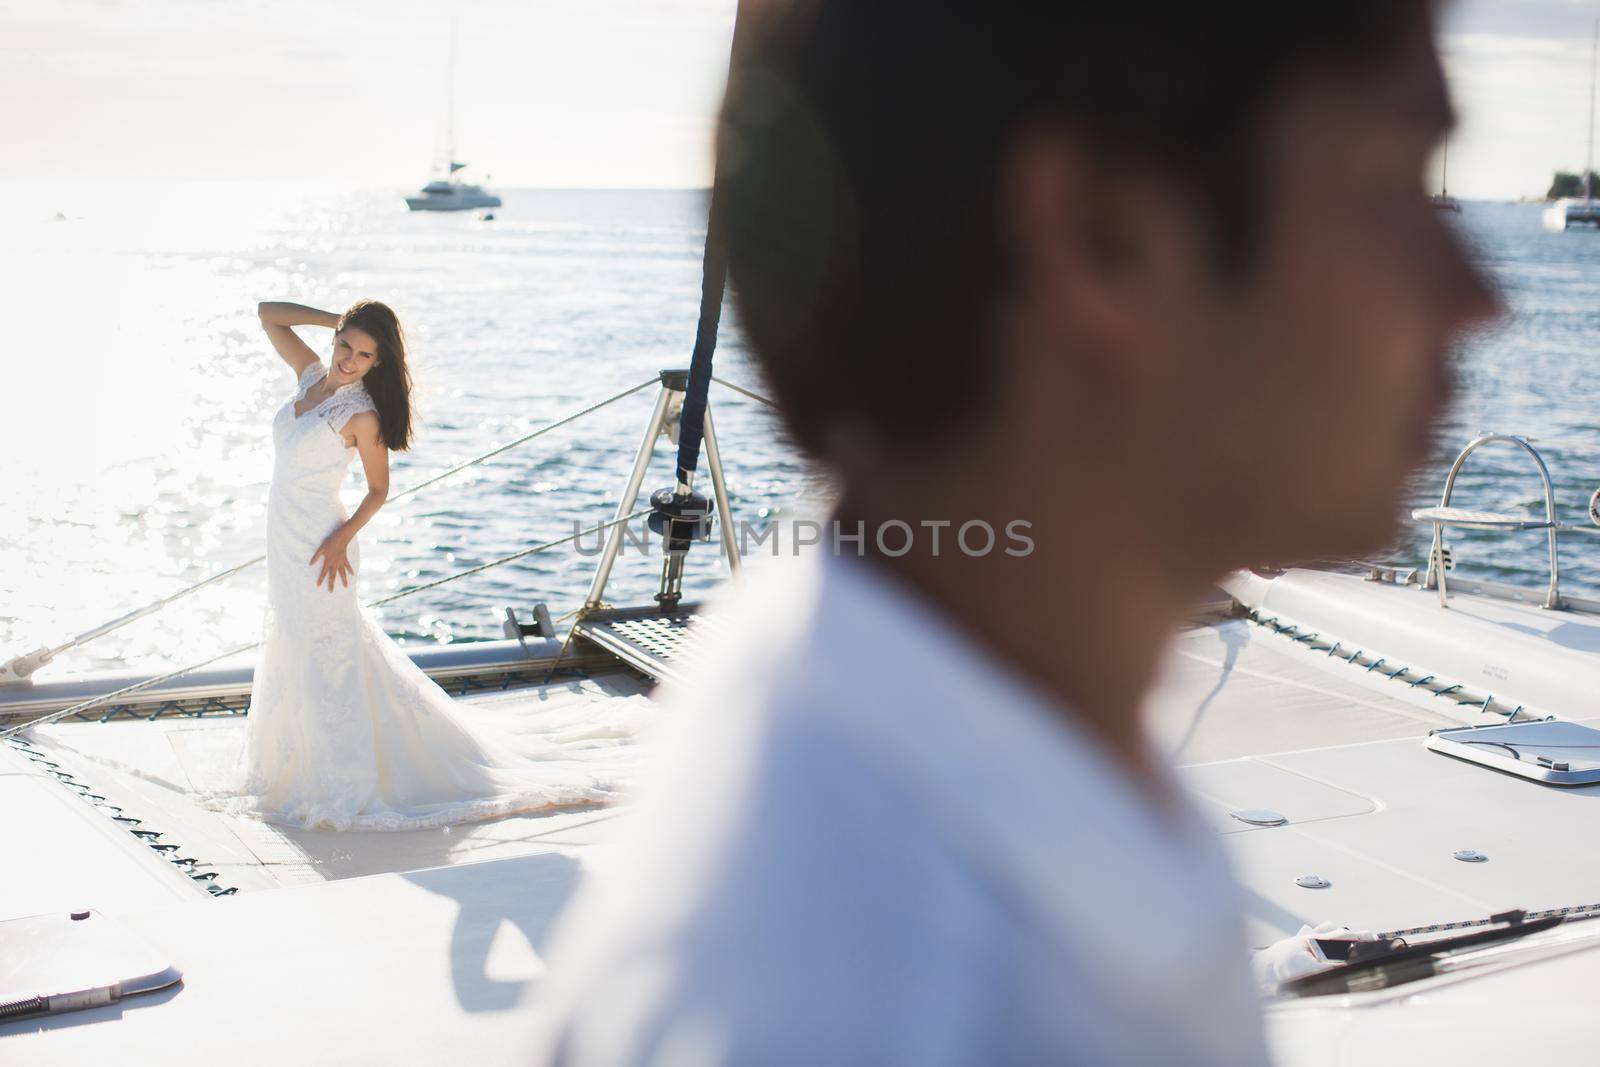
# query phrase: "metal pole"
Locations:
[[670, 591], [641, 463], [1436, 561], [730, 543], [1594, 64], [450, 116]]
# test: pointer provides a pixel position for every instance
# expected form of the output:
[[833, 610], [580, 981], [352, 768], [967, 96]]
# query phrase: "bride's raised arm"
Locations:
[[277, 318]]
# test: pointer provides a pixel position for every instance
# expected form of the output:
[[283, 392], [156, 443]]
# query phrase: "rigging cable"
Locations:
[[24, 665], [83, 706]]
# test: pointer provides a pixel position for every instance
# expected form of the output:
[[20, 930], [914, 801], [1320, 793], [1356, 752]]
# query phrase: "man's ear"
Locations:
[[1085, 228], [1103, 258]]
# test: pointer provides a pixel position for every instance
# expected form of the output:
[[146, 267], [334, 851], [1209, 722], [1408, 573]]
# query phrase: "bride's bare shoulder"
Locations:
[[362, 428]]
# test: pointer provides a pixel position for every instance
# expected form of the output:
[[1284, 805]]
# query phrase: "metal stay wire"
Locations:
[[43, 656], [83, 706], [741, 389]]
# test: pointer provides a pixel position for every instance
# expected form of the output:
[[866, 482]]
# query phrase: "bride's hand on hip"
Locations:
[[335, 555]]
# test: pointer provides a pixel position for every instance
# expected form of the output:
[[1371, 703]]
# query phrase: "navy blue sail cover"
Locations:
[[691, 427]]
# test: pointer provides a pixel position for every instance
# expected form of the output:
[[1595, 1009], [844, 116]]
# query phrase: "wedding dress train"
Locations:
[[344, 730]]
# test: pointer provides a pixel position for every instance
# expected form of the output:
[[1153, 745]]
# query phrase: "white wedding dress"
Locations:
[[344, 731]]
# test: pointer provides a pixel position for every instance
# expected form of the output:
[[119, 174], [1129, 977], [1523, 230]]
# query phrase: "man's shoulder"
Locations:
[[820, 922], [789, 633], [779, 810]]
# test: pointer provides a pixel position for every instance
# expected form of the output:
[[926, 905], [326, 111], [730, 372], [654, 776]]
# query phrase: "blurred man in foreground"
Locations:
[[1149, 296]]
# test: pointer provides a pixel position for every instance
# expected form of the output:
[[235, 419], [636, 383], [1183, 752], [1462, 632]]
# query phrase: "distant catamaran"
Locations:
[[448, 194], [1585, 210]]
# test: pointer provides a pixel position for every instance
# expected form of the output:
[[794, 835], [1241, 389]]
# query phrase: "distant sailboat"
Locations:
[[448, 194], [1443, 200], [1585, 210]]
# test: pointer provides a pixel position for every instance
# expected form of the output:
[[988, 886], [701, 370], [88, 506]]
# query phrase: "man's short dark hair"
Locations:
[[859, 149]]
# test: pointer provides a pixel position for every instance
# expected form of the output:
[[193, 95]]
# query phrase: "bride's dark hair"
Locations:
[[389, 380]]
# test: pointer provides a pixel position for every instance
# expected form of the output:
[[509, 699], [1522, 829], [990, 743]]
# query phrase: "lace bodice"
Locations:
[[337, 408], [310, 456]]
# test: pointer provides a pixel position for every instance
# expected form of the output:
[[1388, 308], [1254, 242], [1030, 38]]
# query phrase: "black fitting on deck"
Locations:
[[680, 518]]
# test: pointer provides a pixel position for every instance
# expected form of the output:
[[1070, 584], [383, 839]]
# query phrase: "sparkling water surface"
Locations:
[[135, 415], [1535, 376], [135, 425]]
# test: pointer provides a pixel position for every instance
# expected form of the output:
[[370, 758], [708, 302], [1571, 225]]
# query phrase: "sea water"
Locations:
[[1533, 375], [139, 391]]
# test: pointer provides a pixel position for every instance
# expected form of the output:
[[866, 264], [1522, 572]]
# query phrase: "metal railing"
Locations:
[[1446, 515]]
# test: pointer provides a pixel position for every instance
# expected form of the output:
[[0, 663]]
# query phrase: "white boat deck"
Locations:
[[243, 853], [1259, 720], [1338, 751], [426, 967], [1255, 719], [63, 854]]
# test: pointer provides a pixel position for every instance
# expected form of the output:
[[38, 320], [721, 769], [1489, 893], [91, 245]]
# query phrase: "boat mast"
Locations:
[[1594, 64], [679, 513], [713, 282], [450, 111]]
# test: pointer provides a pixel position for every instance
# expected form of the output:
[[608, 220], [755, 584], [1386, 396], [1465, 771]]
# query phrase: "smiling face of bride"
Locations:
[[355, 352], [369, 346]]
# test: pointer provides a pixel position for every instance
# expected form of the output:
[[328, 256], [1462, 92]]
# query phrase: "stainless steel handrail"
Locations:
[[1435, 577]]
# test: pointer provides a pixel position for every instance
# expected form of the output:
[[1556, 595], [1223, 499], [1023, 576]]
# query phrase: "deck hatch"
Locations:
[[1548, 751]]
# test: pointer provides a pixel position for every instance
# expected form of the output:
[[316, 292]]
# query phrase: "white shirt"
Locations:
[[869, 843]]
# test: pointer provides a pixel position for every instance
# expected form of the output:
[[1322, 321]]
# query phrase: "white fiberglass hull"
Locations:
[[466, 202], [1570, 212]]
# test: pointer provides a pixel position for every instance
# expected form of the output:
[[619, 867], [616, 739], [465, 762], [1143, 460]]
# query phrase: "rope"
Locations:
[[1413, 679], [746, 392], [45, 655], [525, 438], [151, 838], [1583, 910], [45, 720], [507, 559]]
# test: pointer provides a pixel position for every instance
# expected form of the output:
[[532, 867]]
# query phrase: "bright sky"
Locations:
[[549, 92], [557, 92]]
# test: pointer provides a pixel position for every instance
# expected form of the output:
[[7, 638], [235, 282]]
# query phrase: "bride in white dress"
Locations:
[[344, 731]]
